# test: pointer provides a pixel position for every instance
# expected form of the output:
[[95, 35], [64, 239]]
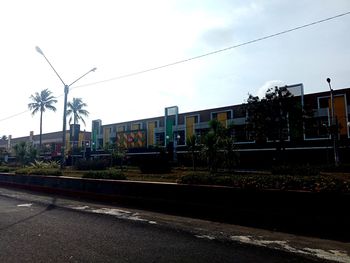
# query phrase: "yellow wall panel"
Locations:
[[106, 135], [340, 113], [135, 126], [190, 126], [150, 133], [222, 118]]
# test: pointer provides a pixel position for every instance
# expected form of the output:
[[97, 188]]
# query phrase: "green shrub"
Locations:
[[84, 165], [266, 181], [41, 164], [298, 170], [39, 171], [342, 168], [194, 178], [108, 174], [4, 169], [154, 164]]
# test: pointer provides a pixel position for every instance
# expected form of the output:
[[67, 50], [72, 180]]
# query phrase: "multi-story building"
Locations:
[[309, 142], [313, 137]]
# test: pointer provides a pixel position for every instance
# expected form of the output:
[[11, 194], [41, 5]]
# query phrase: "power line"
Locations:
[[14, 115], [198, 57], [213, 52], [20, 113]]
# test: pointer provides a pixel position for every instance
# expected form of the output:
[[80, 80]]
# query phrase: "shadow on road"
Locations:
[[47, 208]]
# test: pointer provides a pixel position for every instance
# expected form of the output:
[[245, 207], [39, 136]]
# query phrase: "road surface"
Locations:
[[36, 229]]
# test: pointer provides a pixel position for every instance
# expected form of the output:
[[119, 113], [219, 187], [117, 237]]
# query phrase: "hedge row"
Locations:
[[107, 174], [39, 171], [279, 182], [4, 169]]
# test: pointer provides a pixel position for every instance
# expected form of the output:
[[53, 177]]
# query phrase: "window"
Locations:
[[222, 115], [241, 133], [159, 136], [240, 112], [323, 102], [136, 126], [180, 137], [316, 127], [121, 128]]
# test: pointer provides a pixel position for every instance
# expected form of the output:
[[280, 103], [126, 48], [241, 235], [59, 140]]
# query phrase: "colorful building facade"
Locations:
[[174, 127], [312, 138]]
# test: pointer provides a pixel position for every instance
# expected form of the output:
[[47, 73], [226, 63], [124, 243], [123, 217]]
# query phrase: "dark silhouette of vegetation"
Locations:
[[274, 116], [296, 182], [85, 165], [154, 164]]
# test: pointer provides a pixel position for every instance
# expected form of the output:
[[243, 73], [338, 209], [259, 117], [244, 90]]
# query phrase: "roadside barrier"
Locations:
[[323, 215]]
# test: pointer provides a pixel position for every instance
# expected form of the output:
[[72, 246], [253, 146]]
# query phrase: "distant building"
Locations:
[[51, 142], [311, 143], [139, 136]]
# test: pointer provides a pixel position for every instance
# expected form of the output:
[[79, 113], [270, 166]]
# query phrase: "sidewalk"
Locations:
[[306, 246]]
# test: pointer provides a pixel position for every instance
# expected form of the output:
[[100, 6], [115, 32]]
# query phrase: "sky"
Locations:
[[125, 37]]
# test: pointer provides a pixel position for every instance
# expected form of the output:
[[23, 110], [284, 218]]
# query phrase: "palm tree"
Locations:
[[76, 108], [191, 143], [40, 102]]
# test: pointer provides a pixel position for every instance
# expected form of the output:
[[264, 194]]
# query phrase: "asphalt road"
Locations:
[[40, 231]]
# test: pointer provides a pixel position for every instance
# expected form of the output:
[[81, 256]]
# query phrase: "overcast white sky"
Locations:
[[122, 37]]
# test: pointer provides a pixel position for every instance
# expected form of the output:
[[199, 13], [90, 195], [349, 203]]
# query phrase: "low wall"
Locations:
[[318, 214]]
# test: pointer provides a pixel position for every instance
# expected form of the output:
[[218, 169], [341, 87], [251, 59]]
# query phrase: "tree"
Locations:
[[76, 111], [274, 117], [218, 146], [25, 152], [40, 102], [117, 151]]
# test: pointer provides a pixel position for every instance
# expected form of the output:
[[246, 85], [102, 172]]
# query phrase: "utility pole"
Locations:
[[334, 126]]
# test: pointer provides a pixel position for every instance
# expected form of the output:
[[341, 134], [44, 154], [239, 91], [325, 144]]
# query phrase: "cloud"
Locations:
[[269, 84], [224, 27]]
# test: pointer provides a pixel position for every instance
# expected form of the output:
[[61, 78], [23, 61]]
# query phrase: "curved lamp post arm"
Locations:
[[66, 90], [38, 49], [91, 70]]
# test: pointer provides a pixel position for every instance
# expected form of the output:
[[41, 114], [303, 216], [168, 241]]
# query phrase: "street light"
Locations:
[[334, 131], [66, 90]]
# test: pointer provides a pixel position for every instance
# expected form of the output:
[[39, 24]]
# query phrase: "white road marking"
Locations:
[[81, 207], [335, 255], [205, 237], [25, 205], [119, 213]]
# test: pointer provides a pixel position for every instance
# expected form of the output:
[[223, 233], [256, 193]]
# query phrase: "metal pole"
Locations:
[[66, 90], [64, 129], [334, 130]]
